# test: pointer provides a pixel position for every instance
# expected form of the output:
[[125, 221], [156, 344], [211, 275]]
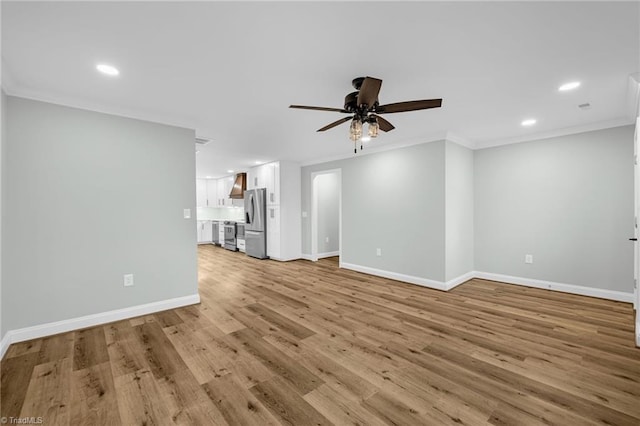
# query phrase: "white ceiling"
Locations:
[[231, 69]]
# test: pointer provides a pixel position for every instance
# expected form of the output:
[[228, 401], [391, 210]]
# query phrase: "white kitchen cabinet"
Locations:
[[224, 186], [266, 176], [220, 189], [212, 192], [221, 233], [206, 193], [201, 192], [204, 232], [252, 178]]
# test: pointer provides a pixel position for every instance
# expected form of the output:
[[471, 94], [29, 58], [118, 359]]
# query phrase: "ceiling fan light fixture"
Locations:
[[355, 130], [373, 127]]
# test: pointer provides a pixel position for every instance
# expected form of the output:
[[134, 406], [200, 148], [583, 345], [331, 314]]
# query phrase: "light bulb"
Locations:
[[355, 130], [373, 128]]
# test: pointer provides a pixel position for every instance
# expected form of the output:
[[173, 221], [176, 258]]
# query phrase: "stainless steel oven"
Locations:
[[230, 236]]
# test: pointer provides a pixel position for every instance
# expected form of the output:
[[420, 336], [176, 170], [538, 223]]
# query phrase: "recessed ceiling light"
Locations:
[[569, 86], [529, 122], [229, 171], [365, 138], [208, 177], [107, 69], [259, 162]]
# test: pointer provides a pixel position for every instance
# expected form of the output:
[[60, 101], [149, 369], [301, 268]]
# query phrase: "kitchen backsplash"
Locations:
[[224, 213]]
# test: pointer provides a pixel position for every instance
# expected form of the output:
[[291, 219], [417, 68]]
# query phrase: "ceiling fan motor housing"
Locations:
[[351, 102]]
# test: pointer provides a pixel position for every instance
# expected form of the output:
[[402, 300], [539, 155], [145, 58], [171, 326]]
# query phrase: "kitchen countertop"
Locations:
[[219, 220]]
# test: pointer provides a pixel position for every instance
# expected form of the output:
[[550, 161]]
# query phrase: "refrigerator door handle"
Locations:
[[252, 232]]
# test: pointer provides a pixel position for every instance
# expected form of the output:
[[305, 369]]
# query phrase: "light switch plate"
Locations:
[[304, 214], [128, 280], [528, 258], [187, 213]]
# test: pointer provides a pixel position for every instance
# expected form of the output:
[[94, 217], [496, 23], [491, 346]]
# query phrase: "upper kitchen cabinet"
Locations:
[[206, 193], [201, 192], [266, 176], [224, 186]]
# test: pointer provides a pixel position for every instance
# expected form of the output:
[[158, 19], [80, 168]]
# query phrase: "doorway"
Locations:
[[326, 214]]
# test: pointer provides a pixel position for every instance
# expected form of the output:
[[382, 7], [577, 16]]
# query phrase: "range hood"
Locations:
[[239, 186]]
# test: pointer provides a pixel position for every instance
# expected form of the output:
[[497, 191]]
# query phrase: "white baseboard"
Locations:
[[308, 257], [459, 280], [4, 344], [328, 254], [528, 282], [438, 285], [49, 329], [565, 288]]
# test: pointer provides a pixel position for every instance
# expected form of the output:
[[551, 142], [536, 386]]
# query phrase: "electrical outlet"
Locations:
[[528, 258], [378, 252], [326, 240], [128, 280]]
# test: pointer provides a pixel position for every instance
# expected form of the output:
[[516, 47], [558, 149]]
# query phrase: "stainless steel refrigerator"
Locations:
[[255, 228]]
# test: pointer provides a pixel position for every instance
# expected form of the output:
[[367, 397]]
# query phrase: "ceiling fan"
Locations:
[[363, 107]]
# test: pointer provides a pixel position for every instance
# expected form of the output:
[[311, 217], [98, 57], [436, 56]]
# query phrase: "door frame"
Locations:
[[314, 211]]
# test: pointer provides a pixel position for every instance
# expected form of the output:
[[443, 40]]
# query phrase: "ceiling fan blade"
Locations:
[[335, 123], [318, 108], [384, 125], [369, 91], [409, 106]]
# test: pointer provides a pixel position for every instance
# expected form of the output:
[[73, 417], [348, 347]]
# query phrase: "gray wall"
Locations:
[[459, 231], [89, 197], [328, 190], [393, 200], [568, 201]]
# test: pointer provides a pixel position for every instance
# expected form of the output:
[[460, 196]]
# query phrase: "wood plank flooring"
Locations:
[[304, 343]]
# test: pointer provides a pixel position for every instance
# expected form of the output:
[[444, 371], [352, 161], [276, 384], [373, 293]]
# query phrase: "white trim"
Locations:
[[424, 282], [4, 344], [528, 282], [57, 327], [601, 125], [11, 89], [380, 148], [284, 259], [314, 256], [308, 257], [460, 140], [565, 288], [455, 282], [328, 254]]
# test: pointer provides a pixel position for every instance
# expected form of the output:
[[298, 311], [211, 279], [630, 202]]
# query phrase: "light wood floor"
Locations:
[[304, 343]]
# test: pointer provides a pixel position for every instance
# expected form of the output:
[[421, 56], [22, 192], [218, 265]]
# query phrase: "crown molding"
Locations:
[[12, 89], [373, 150], [558, 132], [461, 140]]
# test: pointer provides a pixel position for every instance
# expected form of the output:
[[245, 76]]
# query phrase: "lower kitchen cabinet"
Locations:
[[221, 233], [204, 232]]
